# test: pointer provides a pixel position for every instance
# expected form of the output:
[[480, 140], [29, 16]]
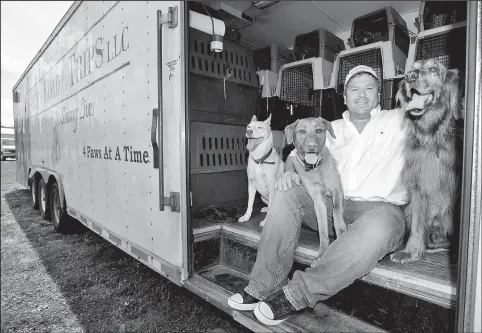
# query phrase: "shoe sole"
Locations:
[[265, 320], [240, 306]]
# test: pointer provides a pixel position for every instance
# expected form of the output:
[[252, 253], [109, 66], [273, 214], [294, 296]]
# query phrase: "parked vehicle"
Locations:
[[8, 148], [132, 118]]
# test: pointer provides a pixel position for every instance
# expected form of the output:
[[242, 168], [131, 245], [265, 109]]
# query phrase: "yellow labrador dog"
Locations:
[[318, 173], [264, 164]]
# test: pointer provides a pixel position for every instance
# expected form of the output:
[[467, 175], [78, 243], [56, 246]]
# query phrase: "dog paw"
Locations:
[[405, 256], [262, 223], [264, 210], [244, 218]]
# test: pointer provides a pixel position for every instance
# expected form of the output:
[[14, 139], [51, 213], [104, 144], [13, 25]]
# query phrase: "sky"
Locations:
[[25, 26]]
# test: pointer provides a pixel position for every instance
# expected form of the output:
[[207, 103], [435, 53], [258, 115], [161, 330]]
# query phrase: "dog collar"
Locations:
[[309, 166], [263, 159]]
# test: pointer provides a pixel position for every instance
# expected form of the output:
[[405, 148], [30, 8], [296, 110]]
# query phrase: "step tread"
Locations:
[[433, 278], [219, 280]]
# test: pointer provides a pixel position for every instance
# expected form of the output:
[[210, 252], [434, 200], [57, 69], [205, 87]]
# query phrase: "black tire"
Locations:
[[59, 214], [4, 158], [34, 193], [44, 200]]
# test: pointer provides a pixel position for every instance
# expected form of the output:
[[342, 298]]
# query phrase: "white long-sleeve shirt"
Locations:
[[370, 163]]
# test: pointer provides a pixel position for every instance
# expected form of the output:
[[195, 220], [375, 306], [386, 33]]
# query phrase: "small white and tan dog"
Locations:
[[264, 164]]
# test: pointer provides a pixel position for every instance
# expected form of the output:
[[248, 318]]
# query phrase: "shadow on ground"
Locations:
[[108, 290]]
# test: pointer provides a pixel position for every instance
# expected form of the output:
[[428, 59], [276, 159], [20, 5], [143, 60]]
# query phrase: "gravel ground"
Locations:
[[78, 282]]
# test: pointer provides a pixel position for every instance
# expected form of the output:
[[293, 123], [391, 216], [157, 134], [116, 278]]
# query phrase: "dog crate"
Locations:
[[282, 112], [235, 61], [380, 26], [272, 57], [447, 46], [299, 81], [218, 156], [434, 14], [318, 43]]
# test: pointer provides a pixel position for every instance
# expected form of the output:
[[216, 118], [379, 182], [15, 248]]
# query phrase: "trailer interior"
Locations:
[[248, 78]]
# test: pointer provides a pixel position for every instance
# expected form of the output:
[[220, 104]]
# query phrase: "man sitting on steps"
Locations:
[[368, 151]]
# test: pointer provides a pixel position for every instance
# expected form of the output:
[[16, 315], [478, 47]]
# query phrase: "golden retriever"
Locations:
[[429, 95]]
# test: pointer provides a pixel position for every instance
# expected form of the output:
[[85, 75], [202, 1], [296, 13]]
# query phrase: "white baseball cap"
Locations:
[[360, 69]]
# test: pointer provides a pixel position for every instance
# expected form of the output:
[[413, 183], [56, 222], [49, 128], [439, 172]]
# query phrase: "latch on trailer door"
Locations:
[[170, 17]]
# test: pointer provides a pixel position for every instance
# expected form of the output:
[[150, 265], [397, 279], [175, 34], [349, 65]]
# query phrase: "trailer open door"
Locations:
[[168, 136]]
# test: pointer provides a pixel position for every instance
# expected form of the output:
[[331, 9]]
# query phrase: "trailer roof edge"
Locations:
[[54, 33]]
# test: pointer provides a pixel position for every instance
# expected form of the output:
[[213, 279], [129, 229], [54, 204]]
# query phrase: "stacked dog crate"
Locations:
[[442, 34], [223, 92], [302, 83], [380, 40]]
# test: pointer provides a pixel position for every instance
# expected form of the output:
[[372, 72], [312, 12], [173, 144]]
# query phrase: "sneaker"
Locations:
[[243, 301], [274, 310]]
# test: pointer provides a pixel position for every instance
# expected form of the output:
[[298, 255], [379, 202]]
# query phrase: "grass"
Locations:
[[105, 289]]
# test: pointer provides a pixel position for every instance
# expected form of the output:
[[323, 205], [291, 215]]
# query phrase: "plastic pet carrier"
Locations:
[[318, 43], [299, 82], [434, 14], [446, 44], [380, 26], [272, 57]]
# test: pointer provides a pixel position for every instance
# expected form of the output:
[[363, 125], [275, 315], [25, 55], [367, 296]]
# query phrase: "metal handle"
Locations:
[[155, 147], [174, 199], [159, 108]]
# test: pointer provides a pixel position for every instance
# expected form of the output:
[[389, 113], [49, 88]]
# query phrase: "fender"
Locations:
[[46, 173]]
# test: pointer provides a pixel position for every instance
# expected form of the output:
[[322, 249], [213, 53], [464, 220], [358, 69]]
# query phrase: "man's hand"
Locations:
[[286, 181]]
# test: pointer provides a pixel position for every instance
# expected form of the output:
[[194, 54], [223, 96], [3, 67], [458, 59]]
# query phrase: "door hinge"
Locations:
[[173, 201], [170, 17]]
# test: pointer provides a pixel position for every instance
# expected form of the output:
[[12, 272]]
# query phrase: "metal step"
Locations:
[[416, 297], [432, 279], [320, 319]]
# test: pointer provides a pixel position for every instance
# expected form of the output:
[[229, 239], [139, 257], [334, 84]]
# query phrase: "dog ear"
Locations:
[[254, 118], [451, 87], [403, 94], [328, 127], [290, 132], [268, 120]]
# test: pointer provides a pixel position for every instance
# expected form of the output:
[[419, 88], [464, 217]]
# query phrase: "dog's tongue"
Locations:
[[252, 143], [418, 102], [311, 158]]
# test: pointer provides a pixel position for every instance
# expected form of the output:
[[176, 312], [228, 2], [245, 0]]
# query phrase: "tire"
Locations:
[[59, 215], [44, 200], [4, 158], [34, 193]]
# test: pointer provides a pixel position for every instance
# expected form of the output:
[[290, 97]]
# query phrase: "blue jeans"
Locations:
[[374, 230]]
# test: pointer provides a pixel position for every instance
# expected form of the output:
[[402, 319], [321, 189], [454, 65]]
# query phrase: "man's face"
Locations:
[[361, 95]]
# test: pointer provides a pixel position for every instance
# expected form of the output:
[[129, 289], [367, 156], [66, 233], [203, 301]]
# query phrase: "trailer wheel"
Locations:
[[59, 216], [43, 198], [34, 193]]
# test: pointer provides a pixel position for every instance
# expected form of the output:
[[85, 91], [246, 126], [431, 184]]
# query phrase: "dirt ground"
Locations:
[[78, 282]]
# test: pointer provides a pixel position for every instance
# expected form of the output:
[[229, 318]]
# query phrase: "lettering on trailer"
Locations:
[[80, 64], [121, 153], [71, 115]]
